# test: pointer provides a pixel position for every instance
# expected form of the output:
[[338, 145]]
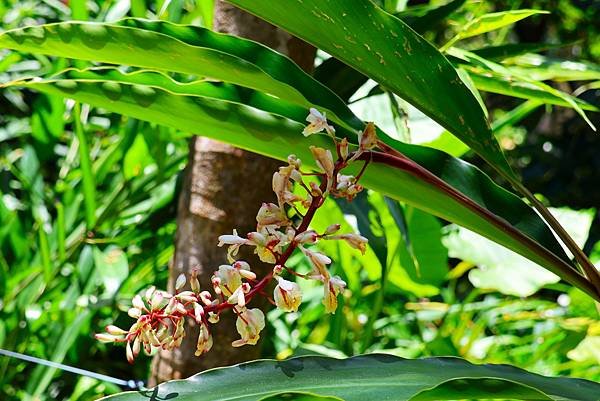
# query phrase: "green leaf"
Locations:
[[492, 21], [392, 54], [545, 68], [112, 268], [298, 396], [136, 158], [502, 52], [370, 377], [525, 79], [165, 46], [498, 267], [423, 18], [437, 183], [89, 184], [509, 86]]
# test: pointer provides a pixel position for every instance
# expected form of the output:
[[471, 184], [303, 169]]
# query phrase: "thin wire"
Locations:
[[132, 384]]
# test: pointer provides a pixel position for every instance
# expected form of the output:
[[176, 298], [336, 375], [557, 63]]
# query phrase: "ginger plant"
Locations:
[[162, 317]]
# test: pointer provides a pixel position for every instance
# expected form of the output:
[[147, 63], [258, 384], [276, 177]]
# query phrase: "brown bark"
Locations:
[[223, 189]]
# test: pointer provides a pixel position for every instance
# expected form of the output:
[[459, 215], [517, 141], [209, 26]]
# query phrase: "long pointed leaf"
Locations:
[[430, 180], [369, 377], [384, 48], [187, 49]]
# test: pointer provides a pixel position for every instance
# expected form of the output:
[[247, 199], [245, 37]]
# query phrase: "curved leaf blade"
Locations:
[[165, 46], [386, 49], [370, 377], [430, 180], [492, 21]]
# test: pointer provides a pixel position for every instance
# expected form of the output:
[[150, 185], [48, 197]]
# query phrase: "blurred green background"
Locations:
[[88, 205]]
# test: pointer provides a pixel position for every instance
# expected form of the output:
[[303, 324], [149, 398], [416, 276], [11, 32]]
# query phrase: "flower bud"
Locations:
[[186, 296], [332, 229], [134, 313], [244, 269], [129, 353], [205, 341], [206, 298], [180, 282], [179, 307], [318, 261], [315, 190], [159, 300], [106, 338], [354, 240], [277, 270], [307, 237], [233, 239], [171, 306], [324, 160], [194, 283], [198, 312], [115, 331], [343, 148], [138, 303]]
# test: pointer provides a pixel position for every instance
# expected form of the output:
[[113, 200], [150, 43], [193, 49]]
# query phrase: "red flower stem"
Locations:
[[316, 202]]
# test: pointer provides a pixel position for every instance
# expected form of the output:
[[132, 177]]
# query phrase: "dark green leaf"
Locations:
[[370, 377]]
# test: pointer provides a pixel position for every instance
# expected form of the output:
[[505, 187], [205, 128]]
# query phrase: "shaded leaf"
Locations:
[[370, 377]]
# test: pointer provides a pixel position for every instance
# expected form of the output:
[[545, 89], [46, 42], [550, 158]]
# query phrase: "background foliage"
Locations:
[[88, 206]]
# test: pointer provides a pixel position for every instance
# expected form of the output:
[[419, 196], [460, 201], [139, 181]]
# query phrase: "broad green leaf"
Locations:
[[88, 179], [492, 21], [369, 377], [298, 396], [431, 255], [136, 158], [544, 68], [498, 267], [483, 66], [392, 54], [587, 351], [112, 268], [423, 18], [187, 49], [428, 179], [496, 83], [502, 52]]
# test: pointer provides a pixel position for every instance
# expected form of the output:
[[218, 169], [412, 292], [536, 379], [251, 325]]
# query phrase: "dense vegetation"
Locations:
[[89, 196]]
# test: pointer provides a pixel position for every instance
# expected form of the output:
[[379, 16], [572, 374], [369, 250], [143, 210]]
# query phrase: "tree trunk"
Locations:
[[223, 189]]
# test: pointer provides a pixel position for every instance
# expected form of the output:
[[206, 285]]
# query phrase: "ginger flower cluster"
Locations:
[[282, 227]]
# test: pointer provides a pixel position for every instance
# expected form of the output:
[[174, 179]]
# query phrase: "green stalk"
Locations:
[[89, 186], [588, 268], [60, 231]]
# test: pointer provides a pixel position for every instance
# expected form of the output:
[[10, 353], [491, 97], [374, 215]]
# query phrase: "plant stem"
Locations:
[[588, 268], [395, 159]]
